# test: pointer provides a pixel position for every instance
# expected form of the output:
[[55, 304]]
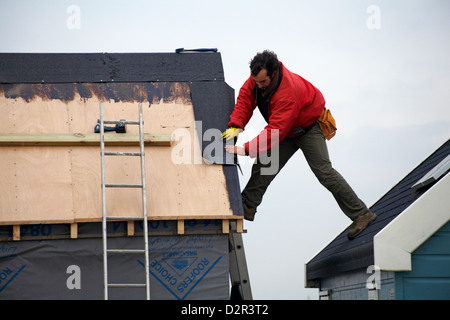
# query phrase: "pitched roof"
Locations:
[[343, 255], [212, 97]]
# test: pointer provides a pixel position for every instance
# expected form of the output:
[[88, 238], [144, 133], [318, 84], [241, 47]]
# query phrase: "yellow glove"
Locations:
[[230, 133]]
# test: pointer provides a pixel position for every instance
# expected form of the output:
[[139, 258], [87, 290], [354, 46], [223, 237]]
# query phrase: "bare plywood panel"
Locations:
[[36, 185], [62, 184]]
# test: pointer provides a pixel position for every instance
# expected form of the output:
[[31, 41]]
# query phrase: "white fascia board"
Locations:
[[394, 244]]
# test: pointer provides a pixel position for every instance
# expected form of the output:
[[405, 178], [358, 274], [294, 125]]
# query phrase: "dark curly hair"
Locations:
[[264, 60]]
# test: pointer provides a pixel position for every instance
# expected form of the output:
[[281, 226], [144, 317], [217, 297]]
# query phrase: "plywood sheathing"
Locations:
[[62, 184]]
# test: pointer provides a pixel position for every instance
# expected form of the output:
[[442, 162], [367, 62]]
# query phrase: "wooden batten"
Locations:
[[74, 230], [225, 226], [180, 226], [130, 228], [16, 232], [240, 225], [82, 139]]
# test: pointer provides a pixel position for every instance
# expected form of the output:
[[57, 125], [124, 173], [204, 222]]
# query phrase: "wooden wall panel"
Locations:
[[35, 185], [17, 116], [60, 184]]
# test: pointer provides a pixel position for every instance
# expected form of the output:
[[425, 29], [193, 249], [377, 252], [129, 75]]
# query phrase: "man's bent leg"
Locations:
[[314, 148], [257, 185]]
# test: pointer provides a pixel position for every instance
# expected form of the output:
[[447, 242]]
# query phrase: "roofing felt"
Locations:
[[343, 255], [212, 98], [109, 67]]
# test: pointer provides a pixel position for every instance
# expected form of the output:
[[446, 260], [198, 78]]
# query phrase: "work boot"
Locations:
[[360, 223], [249, 212]]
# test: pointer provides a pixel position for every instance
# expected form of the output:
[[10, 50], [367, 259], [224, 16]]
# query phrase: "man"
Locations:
[[291, 106]]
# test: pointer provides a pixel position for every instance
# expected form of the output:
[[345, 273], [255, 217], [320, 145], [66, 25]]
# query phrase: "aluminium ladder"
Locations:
[[106, 218]]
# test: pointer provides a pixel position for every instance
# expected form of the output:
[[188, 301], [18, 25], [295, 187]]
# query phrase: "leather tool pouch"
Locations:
[[327, 124]]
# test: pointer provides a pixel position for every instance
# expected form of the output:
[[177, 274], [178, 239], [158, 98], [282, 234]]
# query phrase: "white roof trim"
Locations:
[[394, 244]]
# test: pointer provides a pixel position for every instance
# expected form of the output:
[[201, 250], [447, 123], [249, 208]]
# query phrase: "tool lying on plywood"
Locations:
[[119, 127]]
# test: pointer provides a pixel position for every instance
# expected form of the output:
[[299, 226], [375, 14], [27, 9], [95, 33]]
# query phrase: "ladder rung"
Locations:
[[120, 122], [122, 153], [117, 185], [125, 251], [125, 218], [126, 285]]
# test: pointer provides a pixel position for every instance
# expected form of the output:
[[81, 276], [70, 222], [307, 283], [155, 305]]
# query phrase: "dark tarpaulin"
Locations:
[[181, 268]]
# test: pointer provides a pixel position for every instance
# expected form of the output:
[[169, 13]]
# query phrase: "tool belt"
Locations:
[[300, 131], [327, 124]]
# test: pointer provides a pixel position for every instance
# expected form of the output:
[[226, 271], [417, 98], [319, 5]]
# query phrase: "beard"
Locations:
[[273, 83]]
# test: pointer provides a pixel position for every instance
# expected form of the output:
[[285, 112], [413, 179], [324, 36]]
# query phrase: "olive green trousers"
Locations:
[[314, 148]]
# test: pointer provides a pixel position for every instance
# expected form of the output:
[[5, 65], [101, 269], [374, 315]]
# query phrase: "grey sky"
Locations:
[[387, 88]]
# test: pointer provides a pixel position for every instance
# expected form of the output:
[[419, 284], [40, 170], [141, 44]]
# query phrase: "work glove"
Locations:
[[230, 133]]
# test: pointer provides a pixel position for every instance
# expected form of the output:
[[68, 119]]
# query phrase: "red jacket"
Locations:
[[296, 103]]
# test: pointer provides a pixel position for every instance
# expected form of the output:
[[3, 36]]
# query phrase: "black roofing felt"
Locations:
[[212, 98], [343, 255], [108, 67]]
